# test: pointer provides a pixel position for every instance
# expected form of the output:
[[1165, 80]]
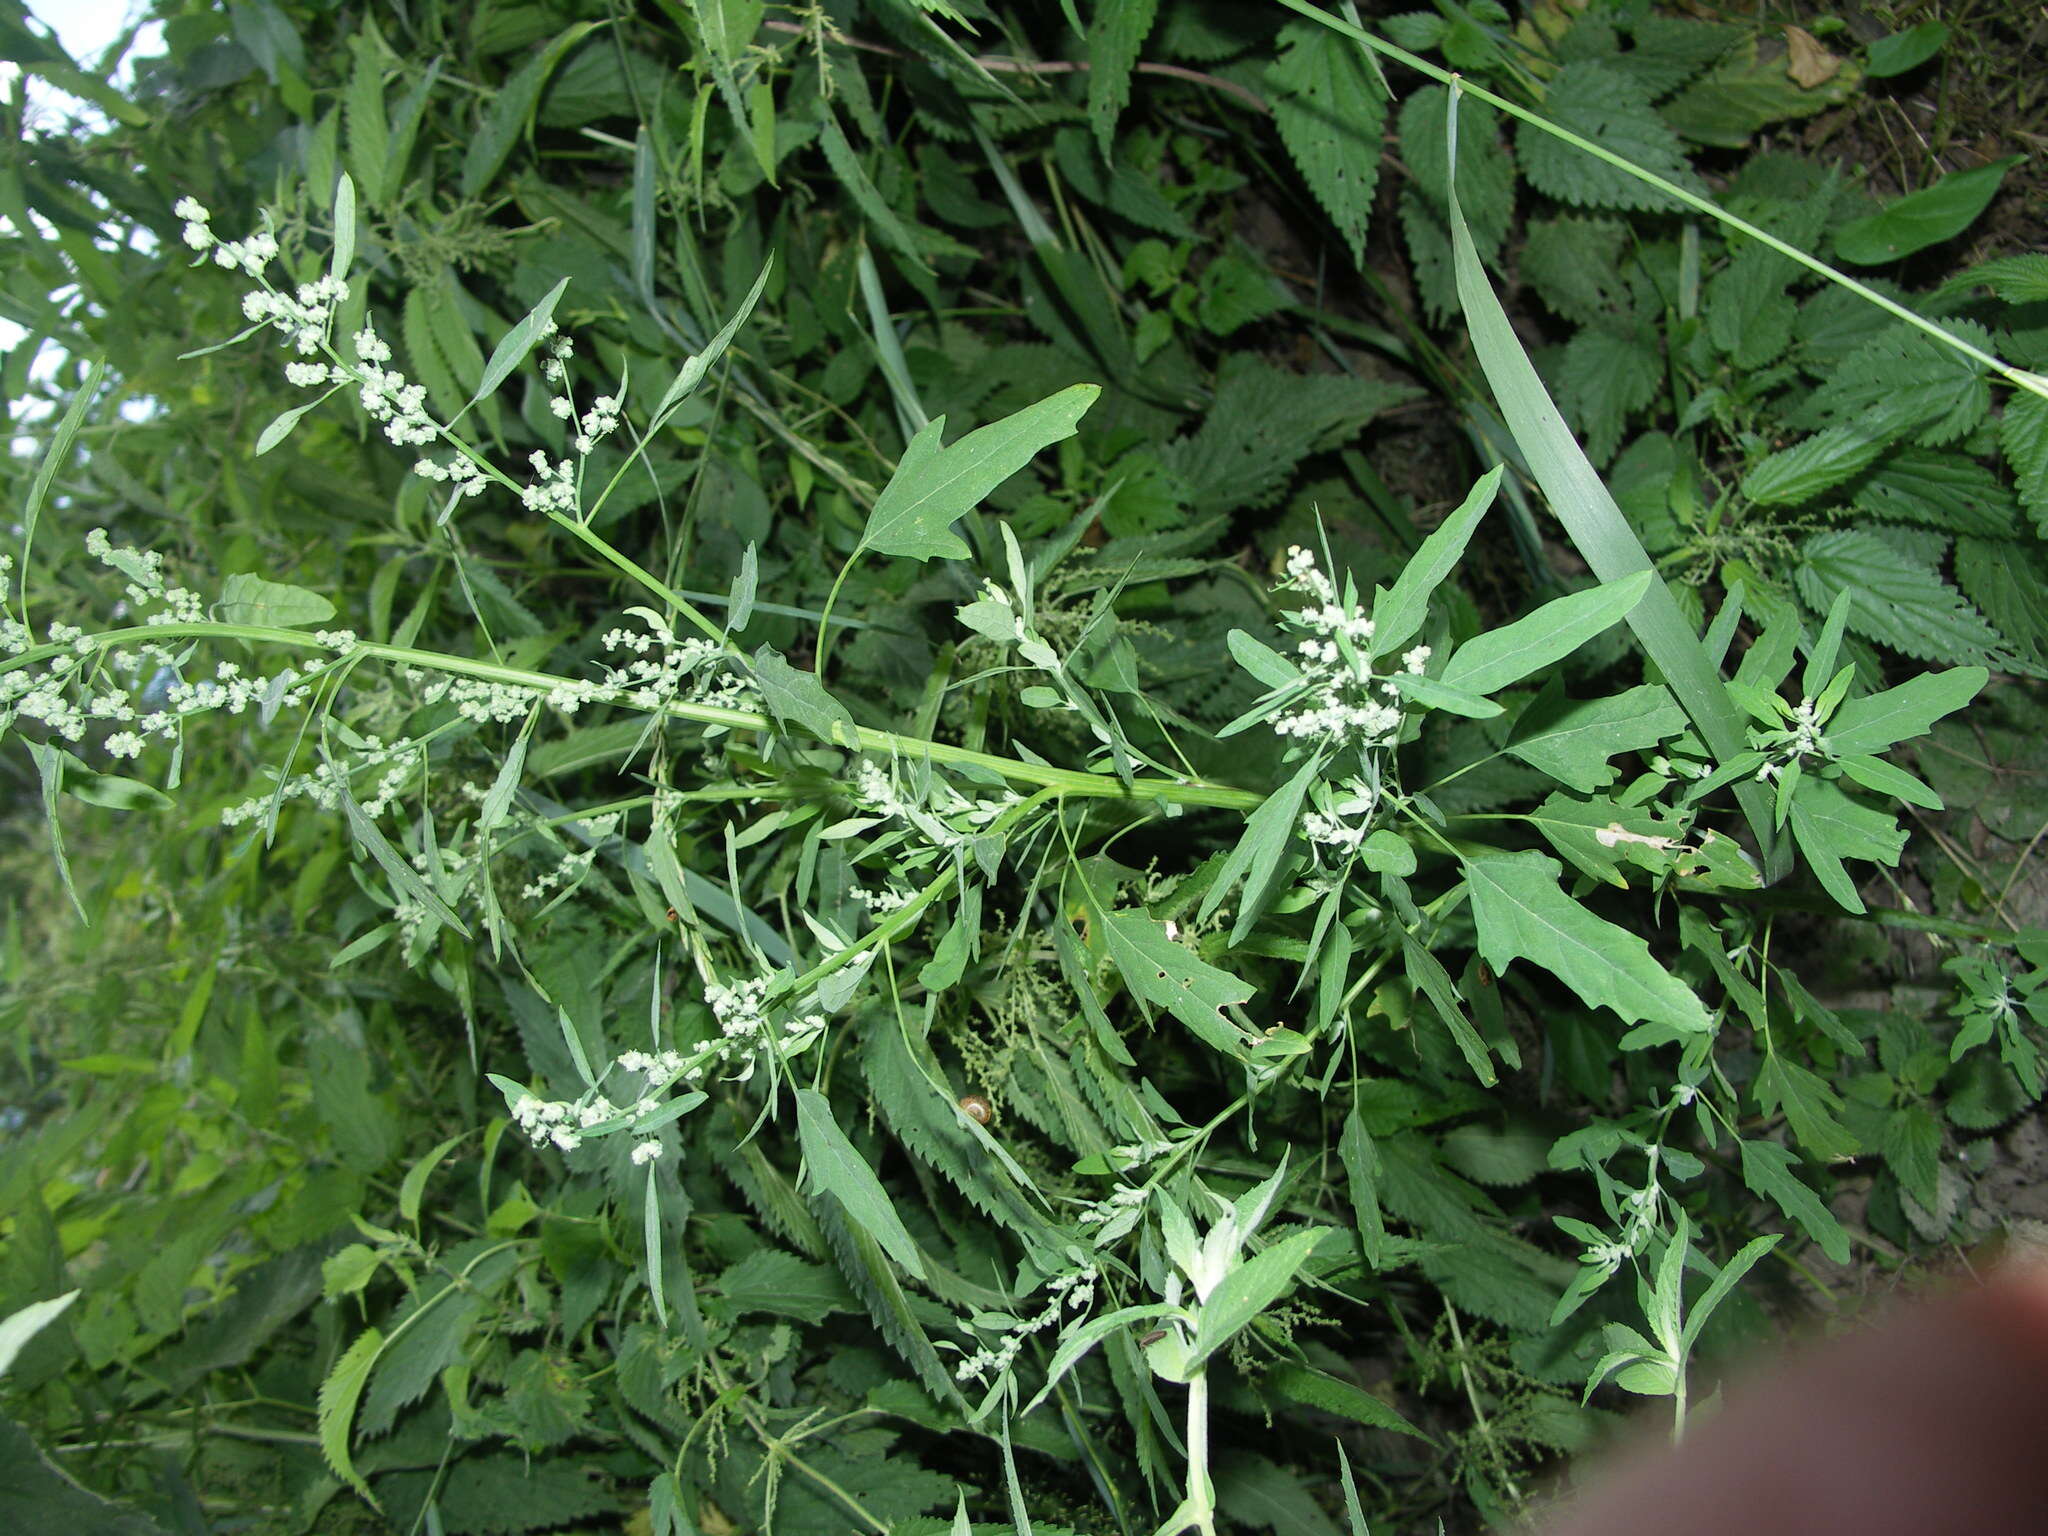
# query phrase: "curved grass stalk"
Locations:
[[2018, 377]]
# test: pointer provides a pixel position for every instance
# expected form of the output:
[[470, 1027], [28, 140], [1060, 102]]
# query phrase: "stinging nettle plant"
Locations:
[[792, 912]]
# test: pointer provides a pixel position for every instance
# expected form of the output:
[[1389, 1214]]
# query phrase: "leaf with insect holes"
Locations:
[[934, 486]]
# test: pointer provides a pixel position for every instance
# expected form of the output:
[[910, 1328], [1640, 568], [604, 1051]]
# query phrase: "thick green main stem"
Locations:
[[1066, 781]]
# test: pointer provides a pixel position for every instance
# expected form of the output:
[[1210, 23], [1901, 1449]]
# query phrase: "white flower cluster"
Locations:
[[148, 592], [251, 255], [1343, 701], [946, 820], [570, 866], [600, 421], [659, 1068], [1115, 1215], [1070, 1293], [880, 903], [322, 785], [563, 1122], [304, 317], [742, 1015], [69, 693], [559, 1120], [553, 488], [1334, 832], [1803, 739], [665, 669]]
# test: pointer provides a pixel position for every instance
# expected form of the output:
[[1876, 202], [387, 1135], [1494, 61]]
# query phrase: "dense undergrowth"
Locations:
[[878, 767]]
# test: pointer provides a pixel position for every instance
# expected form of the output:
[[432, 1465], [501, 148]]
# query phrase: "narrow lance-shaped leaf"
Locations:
[[1258, 856], [691, 374], [1399, 613], [1506, 655], [835, 1168], [518, 343]]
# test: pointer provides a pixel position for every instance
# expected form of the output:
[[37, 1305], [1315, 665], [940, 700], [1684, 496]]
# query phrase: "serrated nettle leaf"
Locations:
[[1819, 463], [934, 486], [1506, 655], [2023, 433], [1895, 599], [1330, 105], [339, 1395], [1522, 914], [1115, 34]]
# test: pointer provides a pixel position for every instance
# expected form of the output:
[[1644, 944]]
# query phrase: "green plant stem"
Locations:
[[645, 578], [1201, 1502], [2036, 383], [825, 619], [1067, 781]]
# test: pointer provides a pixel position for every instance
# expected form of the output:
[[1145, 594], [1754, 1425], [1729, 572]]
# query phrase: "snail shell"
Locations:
[[977, 1109]]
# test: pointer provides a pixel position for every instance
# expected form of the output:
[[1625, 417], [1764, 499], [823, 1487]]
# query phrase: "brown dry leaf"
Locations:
[[1806, 61]]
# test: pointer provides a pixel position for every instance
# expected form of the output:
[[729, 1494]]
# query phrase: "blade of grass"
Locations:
[[1597, 528], [2019, 377], [889, 350], [54, 458]]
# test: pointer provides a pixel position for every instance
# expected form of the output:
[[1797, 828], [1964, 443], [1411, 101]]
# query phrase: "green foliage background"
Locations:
[[1514, 1061]]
